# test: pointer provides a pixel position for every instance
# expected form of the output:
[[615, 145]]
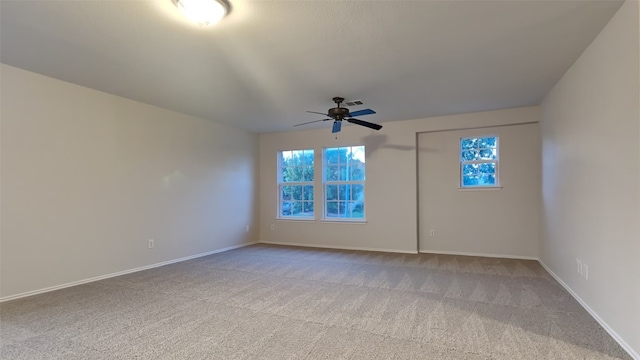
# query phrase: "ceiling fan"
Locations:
[[337, 114]]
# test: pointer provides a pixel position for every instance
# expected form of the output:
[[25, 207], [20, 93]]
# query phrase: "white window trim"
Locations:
[[296, 219], [344, 221], [461, 163], [324, 217], [479, 188]]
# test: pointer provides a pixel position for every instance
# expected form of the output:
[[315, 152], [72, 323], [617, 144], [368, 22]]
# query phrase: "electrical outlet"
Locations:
[[585, 271], [432, 232], [579, 267], [151, 243], [273, 227], [246, 228]]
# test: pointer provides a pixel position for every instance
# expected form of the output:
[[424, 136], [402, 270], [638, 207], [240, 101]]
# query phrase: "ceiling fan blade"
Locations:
[[365, 123], [362, 112], [310, 122], [315, 112], [337, 125]]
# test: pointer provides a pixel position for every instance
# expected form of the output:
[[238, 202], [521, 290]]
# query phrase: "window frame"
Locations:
[[280, 184], [495, 161], [326, 183]]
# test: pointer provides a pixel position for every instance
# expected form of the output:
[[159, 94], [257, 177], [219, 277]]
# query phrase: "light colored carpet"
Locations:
[[274, 302]]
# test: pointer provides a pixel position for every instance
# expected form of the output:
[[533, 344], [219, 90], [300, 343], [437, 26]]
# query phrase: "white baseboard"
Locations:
[[102, 277], [602, 323], [340, 247], [478, 254]]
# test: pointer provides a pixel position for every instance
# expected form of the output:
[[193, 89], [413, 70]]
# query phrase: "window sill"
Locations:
[[479, 188], [358, 221], [303, 219]]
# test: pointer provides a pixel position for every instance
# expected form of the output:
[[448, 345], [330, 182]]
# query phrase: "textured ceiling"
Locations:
[[269, 61]]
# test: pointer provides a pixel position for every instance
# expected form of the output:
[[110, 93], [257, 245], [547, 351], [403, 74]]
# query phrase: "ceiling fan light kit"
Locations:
[[338, 113], [203, 12]]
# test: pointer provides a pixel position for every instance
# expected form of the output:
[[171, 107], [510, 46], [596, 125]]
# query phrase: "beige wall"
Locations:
[[488, 222], [591, 176], [88, 178], [391, 187]]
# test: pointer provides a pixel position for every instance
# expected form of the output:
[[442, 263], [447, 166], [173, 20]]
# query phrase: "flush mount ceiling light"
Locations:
[[203, 12]]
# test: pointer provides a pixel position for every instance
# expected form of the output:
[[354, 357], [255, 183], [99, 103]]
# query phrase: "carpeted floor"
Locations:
[[274, 302]]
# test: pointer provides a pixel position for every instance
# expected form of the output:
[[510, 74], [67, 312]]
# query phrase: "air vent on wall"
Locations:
[[354, 103]]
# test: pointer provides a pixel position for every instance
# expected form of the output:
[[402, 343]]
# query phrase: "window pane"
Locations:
[[292, 173], [487, 154], [332, 209], [286, 192], [357, 192], [296, 192], [331, 192], [286, 209], [286, 174], [286, 158], [487, 142], [307, 173], [469, 155], [344, 153], [307, 192], [487, 168], [342, 192], [332, 155], [307, 158], [297, 157], [466, 144], [348, 209], [357, 170], [355, 209], [486, 180], [343, 173], [469, 180], [332, 173], [297, 208], [357, 154], [307, 208], [469, 169], [342, 208]]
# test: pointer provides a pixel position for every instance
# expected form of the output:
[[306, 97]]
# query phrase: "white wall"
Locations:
[[88, 178], [480, 221], [391, 187], [591, 176]]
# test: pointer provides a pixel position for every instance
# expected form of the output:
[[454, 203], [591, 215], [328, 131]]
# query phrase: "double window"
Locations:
[[343, 183], [295, 184], [479, 162]]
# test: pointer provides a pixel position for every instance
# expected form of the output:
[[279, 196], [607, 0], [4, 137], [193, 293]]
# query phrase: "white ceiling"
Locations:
[[269, 61]]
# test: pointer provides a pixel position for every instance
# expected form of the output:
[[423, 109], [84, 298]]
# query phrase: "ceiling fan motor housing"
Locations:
[[338, 113]]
